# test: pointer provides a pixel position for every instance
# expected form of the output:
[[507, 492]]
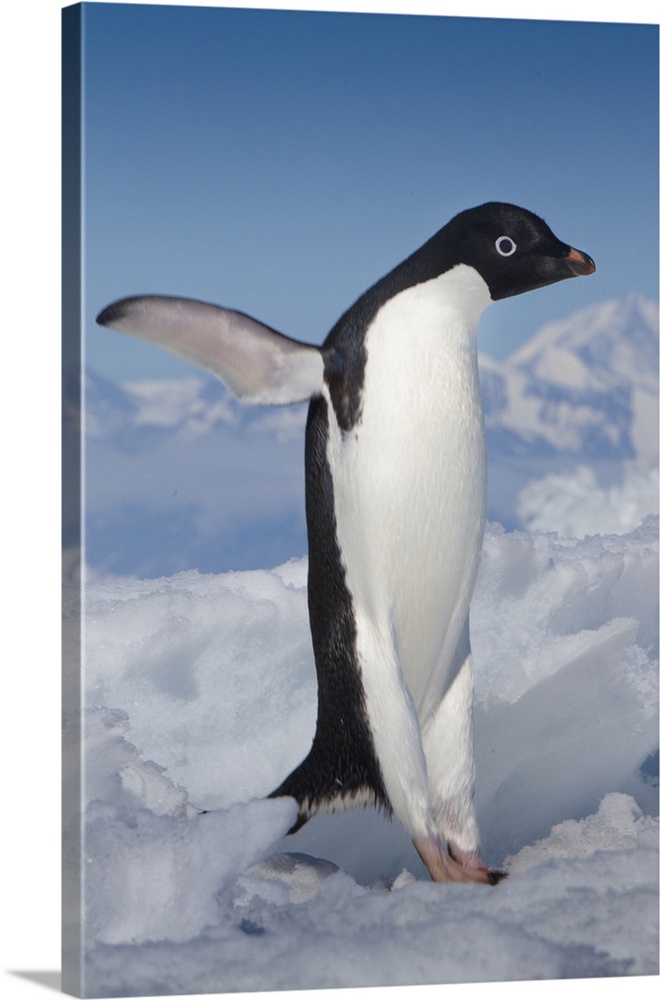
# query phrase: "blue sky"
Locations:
[[280, 162]]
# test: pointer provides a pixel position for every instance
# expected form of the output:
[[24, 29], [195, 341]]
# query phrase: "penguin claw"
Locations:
[[444, 866], [485, 876], [495, 876]]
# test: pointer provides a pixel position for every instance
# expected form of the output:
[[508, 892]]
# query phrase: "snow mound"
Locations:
[[216, 674], [200, 697], [565, 641], [154, 862], [157, 877], [619, 825]]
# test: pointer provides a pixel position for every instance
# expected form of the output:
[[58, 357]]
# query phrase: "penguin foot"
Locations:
[[486, 876], [444, 868], [471, 861]]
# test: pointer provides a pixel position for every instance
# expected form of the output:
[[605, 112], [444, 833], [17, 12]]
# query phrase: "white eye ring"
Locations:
[[505, 246]]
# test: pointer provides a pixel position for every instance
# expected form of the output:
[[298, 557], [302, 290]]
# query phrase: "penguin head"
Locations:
[[512, 249]]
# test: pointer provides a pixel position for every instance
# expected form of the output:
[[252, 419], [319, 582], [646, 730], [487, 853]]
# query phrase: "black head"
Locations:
[[513, 250]]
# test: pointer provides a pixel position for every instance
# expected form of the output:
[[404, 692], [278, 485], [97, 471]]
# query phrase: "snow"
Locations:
[[200, 696], [576, 504]]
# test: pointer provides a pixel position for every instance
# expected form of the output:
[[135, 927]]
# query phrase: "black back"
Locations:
[[342, 763]]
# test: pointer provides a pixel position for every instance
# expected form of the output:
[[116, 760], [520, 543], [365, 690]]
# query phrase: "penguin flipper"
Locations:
[[256, 363]]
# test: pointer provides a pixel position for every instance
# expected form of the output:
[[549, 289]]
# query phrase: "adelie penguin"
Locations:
[[395, 501]]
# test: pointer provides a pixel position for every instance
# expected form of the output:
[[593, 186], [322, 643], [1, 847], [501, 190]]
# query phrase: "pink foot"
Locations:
[[471, 861], [445, 868]]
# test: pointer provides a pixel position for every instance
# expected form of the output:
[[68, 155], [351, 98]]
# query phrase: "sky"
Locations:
[[280, 162]]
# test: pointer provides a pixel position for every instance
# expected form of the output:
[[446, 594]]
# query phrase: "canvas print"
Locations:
[[360, 537]]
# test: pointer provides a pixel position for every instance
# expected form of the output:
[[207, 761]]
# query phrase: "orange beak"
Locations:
[[579, 263]]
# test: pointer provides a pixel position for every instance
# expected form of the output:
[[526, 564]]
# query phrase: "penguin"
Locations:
[[395, 477]]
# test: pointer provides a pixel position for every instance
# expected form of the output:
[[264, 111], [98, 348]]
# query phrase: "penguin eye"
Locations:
[[505, 246]]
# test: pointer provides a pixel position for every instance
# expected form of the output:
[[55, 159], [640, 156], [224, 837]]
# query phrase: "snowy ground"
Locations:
[[200, 694]]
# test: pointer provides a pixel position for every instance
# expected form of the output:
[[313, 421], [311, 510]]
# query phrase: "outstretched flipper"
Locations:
[[258, 364]]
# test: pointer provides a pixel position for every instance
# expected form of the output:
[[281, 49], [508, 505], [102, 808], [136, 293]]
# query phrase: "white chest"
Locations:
[[410, 478]]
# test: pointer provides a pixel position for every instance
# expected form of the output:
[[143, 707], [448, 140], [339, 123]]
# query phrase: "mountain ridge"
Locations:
[[180, 474], [586, 385]]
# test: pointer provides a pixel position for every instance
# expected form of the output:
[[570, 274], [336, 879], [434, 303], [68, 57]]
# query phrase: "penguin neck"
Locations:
[[451, 303], [462, 291]]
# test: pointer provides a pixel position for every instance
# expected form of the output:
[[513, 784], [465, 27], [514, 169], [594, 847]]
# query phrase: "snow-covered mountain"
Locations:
[[585, 386], [181, 475], [572, 422]]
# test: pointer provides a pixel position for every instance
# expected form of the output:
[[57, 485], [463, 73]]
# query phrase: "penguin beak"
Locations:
[[579, 263]]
